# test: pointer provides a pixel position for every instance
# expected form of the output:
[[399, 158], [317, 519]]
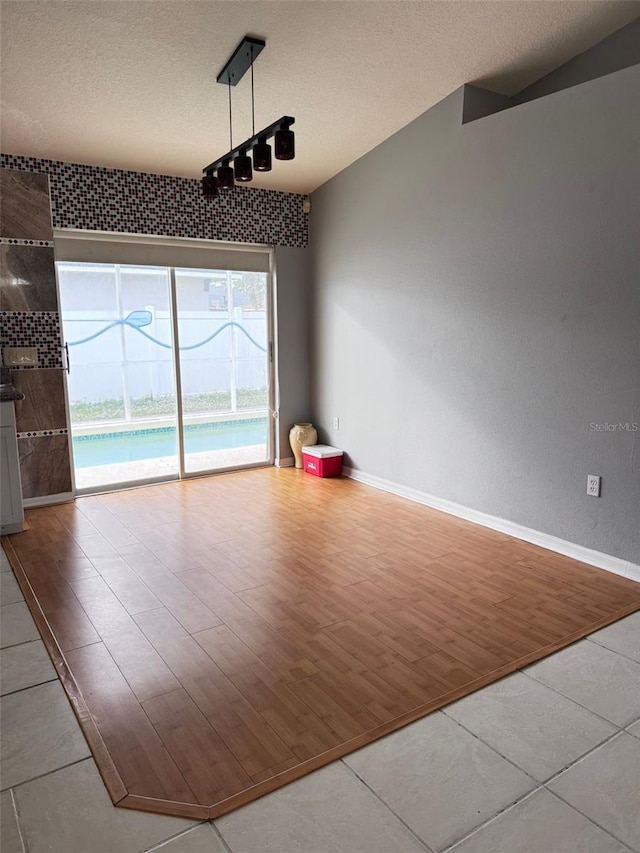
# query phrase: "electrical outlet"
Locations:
[[593, 485], [336, 423]]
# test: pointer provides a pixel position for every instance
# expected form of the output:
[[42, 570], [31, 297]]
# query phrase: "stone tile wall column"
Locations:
[[30, 317]]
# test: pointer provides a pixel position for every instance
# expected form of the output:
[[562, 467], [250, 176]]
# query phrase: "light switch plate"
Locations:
[[20, 356]]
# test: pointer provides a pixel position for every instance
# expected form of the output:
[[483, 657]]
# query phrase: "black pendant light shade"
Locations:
[[210, 186], [262, 156], [285, 144], [225, 177], [242, 167]]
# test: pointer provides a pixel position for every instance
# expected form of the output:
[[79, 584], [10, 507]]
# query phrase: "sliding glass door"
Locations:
[[169, 371], [223, 368], [121, 386]]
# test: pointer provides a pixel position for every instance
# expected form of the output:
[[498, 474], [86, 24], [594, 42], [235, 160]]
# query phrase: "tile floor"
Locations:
[[545, 761]]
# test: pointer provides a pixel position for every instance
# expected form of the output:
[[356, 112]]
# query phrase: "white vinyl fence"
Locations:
[[137, 362]]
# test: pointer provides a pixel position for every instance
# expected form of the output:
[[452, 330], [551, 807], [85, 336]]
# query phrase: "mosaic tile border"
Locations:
[[40, 433], [33, 328], [14, 241], [95, 198]]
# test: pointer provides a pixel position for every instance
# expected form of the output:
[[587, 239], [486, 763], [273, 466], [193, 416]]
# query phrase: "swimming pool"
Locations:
[[90, 451]]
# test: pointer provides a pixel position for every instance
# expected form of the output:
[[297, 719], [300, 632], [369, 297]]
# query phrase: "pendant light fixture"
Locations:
[[242, 168], [285, 143], [261, 150], [225, 176], [262, 155], [210, 186], [221, 174]]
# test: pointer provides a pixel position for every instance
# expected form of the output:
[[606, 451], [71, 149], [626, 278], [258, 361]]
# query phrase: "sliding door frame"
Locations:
[[272, 412], [177, 371]]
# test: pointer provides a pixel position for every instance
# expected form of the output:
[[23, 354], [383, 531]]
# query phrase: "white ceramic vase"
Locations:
[[301, 435]]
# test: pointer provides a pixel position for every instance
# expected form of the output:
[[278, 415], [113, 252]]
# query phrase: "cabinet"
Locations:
[[11, 512]]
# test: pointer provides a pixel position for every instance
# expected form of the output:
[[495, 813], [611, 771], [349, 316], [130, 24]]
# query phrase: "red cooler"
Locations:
[[322, 460]]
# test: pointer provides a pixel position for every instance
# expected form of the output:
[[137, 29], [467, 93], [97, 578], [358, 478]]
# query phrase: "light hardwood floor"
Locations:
[[223, 636]]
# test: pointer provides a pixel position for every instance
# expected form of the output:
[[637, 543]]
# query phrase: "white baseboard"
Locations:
[[48, 500], [625, 568], [285, 462]]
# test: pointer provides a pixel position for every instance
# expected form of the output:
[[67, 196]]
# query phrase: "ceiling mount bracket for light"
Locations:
[[240, 61], [220, 174]]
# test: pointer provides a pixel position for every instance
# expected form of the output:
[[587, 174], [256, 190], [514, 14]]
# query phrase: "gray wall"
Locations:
[[292, 330], [476, 308], [619, 50]]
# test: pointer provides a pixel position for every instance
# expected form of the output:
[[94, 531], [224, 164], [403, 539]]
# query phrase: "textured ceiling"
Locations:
[[132, 84]]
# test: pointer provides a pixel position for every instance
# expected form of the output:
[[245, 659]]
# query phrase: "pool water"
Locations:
[[90, 451]]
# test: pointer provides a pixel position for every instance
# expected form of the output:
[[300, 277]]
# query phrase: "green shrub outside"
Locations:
[[84, 411]]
